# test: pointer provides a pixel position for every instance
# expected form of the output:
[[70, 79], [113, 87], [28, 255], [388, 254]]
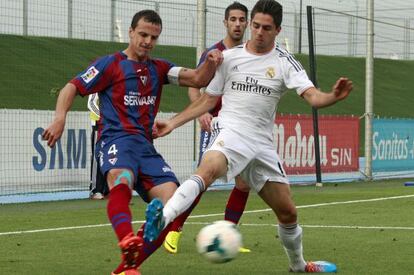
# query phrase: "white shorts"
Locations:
[[255, 160]]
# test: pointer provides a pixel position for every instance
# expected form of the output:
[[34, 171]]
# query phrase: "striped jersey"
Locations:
[[221, 47], [251, 87], [129, 93]]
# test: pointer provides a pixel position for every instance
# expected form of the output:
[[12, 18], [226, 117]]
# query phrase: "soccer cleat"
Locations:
[[171, 241], [244, 250], [320, 267], [154, 220], [130, 246], [128, 272], [96, 196]]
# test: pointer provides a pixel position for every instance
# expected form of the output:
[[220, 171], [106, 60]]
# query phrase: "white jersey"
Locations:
[[93, 106], [252, 85]]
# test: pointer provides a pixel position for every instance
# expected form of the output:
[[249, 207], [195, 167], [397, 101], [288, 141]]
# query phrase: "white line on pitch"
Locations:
[[313, 205], [321, 226], [245, 212]]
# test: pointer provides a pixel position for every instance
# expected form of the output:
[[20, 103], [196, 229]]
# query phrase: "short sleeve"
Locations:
[[95, 78], [216, 85], [294, 75], [163, 67]]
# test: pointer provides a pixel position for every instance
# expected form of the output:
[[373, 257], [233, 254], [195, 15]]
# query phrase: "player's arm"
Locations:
[[204, 119], [65, 99], [319, 99], [201, 76], [195, 109], [89, 81], [295, 78], [194, 94]]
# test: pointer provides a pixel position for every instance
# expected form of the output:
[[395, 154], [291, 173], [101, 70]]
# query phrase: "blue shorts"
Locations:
[[204, 142], [136, 153]]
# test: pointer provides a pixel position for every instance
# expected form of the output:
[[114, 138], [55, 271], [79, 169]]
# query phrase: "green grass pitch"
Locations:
[[365, 228]]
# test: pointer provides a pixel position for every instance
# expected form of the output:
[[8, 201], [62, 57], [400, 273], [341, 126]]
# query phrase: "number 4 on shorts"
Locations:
[[112, 150]]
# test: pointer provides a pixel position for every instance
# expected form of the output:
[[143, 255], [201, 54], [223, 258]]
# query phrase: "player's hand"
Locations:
[[161, 128], [342, 88], [53, 132], [215, 56], [205, 121]]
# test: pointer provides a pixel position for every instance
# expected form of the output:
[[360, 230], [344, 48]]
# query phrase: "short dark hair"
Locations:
[[270, 7], [235, 6], [148, 15]]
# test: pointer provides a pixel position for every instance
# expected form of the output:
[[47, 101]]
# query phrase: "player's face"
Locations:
[[263, 32], [143, 38], [236, 24]]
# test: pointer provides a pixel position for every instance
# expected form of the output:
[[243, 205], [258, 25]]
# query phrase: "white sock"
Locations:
[[183, 197], [291, 238]]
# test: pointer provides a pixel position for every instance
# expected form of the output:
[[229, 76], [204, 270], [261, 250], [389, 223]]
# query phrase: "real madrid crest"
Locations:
[[220, 143], [270, 72]]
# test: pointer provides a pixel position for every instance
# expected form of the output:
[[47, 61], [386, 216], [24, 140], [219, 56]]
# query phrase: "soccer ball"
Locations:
[[219, 242]]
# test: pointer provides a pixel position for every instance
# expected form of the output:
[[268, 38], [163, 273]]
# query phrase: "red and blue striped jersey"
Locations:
[[221, 47], [129, 93]]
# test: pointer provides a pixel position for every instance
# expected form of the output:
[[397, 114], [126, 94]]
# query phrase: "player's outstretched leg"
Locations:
[[184, 197], [154, 220], [173, 237]]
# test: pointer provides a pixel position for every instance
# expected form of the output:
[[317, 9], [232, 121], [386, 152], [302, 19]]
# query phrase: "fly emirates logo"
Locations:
[[135, 99], [251, 85]]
